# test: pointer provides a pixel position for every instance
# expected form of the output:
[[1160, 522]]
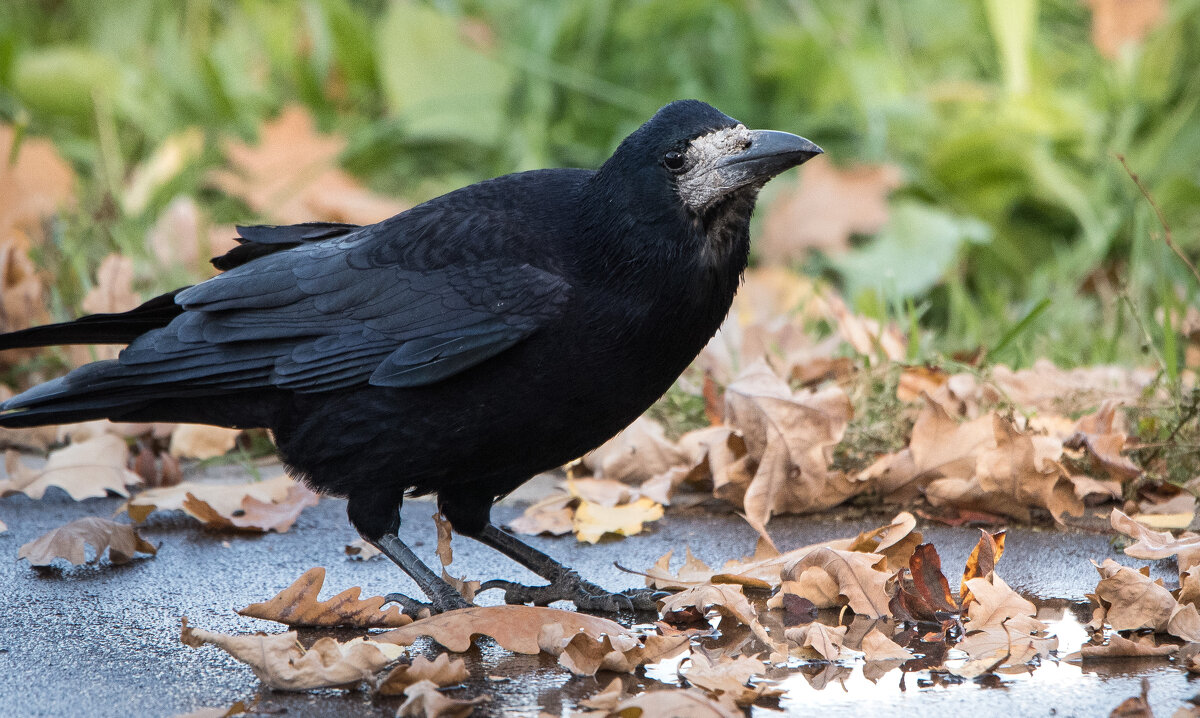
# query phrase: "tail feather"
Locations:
[[119, 328]]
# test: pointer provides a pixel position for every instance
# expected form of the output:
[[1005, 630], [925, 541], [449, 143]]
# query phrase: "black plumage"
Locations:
[[457, 348]]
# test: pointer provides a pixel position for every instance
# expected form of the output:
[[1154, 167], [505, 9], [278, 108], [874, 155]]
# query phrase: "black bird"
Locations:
[[457, 348]]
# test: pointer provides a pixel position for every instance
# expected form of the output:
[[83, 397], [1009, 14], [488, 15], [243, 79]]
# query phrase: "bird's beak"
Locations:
[[770, 153]]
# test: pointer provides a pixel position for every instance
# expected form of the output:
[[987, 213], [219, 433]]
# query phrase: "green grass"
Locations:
[[1017, 229]]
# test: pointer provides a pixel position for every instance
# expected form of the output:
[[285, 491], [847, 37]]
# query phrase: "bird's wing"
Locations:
[[259, 240], [342, 312]]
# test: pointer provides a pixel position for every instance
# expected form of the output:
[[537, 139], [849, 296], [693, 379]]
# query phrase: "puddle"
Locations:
[[1051, 686]]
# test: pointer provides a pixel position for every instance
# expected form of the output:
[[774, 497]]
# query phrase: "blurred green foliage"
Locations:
[[1016, 225]]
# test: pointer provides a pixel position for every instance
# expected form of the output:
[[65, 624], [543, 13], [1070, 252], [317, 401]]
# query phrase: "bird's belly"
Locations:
[[526, 411]]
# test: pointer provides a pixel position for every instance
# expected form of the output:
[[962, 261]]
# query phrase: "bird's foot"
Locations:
[[419, 609], [586, 595]]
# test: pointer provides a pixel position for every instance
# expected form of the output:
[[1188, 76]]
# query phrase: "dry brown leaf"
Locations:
[[21, 302], [821, 639], [255, 515], [727, 600], [878, 647], [729, 680], [292, 176], [790, 437], [866, 336], [981, 562], [223, 497], [444, 536], [1121, 647], [200, 441], [3, 527], [638, 453], [423, 700], [995, 603], [1132, 600], [856, 575], [763, 570], [607, 699], [554, 515], [826, 207], [515, 628], [70, 541], [442, 671], [584, 655], [602, 492], [1024, 468], [1152, 545], [673, 703], [283, 664], [88, 469], [1116, 23], [34, 183], [592, 521], [297, 605]]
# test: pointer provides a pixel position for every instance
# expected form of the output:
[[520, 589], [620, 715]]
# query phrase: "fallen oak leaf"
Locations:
[[69, 542], [220, 502], [441, 671], [361, 550], [255, 515], [585, 656], [553, 515], [789, 436], [514, 628], [674, 703], [640, 452], [856, 575], [877, 647], [763, 570], [424, 700], [201, 441], [607, 699], [925, 567], [89, 469], [1152, 545], [297, 605], [729, 681], [819, 638], [1120, 647], [283, 664], [593, 521], [728, 600], [981, 562]]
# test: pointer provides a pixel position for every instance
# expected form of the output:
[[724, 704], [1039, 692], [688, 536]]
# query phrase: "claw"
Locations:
[[409, 606]]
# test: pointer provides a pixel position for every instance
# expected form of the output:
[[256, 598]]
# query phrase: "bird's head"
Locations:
[[697, 156]]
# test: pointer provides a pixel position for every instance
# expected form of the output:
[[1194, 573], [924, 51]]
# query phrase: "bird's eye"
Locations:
[[673, 160]]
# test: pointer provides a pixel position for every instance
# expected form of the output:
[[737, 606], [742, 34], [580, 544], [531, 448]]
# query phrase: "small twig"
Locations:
[[1133, 312], [630, 570], [1162, 220]]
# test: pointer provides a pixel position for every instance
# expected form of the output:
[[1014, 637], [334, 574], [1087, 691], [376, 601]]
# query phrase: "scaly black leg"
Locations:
[[442, 595], [565, 584]]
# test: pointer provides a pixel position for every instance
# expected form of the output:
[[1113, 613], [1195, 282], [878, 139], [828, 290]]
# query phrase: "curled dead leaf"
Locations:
[[69, 542], [200, 441], [441, 671], [424, 700], [283, 664], [88, 469]]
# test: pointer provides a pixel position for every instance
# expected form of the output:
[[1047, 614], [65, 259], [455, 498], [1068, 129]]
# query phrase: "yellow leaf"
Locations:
[[592, 521]]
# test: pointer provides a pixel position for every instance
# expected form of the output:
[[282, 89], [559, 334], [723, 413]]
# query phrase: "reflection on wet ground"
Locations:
[[110, 636]]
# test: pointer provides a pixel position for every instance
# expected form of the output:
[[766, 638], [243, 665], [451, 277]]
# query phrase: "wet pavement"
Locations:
[[104, 640]]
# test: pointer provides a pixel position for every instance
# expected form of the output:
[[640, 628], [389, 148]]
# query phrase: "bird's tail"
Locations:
[[99, 328], [92, 391]]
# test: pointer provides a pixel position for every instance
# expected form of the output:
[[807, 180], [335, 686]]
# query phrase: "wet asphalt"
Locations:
[[104, 640]]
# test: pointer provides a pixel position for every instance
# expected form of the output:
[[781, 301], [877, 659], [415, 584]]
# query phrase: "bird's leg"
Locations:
[[565, 583], [442, 595]]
